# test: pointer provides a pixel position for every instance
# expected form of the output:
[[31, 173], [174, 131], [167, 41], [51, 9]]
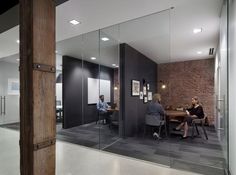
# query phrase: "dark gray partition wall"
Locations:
[[72, 92], [135, 66], [76, 72]]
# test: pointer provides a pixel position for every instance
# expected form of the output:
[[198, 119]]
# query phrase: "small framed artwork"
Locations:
[[13, 87], [144, 90], [145, 99], [148, 86], [141, 95], [149, 96], [135, 88]]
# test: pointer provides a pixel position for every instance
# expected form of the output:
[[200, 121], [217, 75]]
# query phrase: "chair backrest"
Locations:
[[152, 120], [115, 116]]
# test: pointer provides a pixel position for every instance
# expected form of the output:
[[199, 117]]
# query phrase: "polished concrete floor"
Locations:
[[195, 155], [77, 160]]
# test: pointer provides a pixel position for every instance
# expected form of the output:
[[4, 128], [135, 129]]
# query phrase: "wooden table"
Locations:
[[175, 114], [112, 110]]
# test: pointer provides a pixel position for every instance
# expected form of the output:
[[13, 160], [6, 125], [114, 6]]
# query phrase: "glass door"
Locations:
[[222, 85], [9, 90]]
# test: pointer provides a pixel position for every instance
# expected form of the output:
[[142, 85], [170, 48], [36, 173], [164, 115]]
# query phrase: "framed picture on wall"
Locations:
[[135, 85], [13, 87], [145, 99], [149, 96], [141, 95], [144, 90]]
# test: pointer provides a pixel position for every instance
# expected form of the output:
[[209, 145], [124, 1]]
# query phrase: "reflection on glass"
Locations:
[[124, 93]]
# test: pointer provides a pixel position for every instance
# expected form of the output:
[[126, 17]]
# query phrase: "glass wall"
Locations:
[[112, 79], [9, 101]]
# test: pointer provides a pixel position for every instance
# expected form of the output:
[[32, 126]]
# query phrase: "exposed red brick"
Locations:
[[185, 80]]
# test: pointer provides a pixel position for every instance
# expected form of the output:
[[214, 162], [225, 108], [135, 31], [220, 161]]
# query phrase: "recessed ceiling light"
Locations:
[[197, 30], [56, 51], [93, 58], [18, 41], [105, 39], [114, 65], [17, 59], [199, 52], [117, 66], [74, 22]]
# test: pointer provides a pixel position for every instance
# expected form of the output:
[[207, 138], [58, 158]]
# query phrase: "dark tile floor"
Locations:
[[196, 155]]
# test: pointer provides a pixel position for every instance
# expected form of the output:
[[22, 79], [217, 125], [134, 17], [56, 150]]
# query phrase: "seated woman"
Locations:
[[196, 111], [155, 109]]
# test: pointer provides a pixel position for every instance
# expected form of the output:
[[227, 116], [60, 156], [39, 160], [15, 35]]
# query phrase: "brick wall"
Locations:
[[185, 80], [116, 91]]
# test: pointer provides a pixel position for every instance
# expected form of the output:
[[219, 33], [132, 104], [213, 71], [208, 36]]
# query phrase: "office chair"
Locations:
[[199, 122]]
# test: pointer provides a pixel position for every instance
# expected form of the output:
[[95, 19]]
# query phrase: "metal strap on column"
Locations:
[[44, 68]]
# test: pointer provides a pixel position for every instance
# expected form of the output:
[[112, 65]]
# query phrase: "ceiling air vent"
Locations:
[[211, 51]]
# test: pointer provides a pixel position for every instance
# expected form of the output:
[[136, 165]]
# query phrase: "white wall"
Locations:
[[232, 88]]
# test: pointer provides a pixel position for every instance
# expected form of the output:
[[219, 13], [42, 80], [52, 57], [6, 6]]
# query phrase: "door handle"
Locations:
[[1, 105], [4, 103]]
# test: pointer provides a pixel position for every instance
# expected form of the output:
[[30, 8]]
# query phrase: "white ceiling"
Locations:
[[181, 46]]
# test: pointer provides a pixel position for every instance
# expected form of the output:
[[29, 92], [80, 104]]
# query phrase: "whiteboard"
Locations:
[[94, 91]]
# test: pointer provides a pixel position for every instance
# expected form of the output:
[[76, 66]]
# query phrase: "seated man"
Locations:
[[102, 107], [196, 111], [155, 109]]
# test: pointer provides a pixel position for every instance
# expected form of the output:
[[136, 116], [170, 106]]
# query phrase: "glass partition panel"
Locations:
[[79, 112], [91, 65], [109, 86], [9, 101], [144, 43]]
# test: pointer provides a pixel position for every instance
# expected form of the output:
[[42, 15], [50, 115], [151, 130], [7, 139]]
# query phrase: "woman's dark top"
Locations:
[[198, 111]]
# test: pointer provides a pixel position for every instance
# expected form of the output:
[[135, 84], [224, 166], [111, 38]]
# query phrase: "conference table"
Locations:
[[112, 110], [174, 116]]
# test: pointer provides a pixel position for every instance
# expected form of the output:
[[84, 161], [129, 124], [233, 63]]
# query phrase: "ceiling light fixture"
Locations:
[[18, 41], [74, 22], [114, 65], [199, 52], [105, 39], [17, 59], [197, 30], [93, 58]]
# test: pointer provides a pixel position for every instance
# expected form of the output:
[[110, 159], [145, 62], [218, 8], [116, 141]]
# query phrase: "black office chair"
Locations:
[[114, 119], [101, 116], [199, 122]]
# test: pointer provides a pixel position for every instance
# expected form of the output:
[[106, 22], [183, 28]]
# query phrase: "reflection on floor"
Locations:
[[88, 135], [73, 159], [195, 155]]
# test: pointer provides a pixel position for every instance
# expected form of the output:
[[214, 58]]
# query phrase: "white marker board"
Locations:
[[98, 87]]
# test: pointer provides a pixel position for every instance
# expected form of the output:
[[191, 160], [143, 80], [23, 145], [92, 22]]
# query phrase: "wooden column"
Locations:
[[37, 87]]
